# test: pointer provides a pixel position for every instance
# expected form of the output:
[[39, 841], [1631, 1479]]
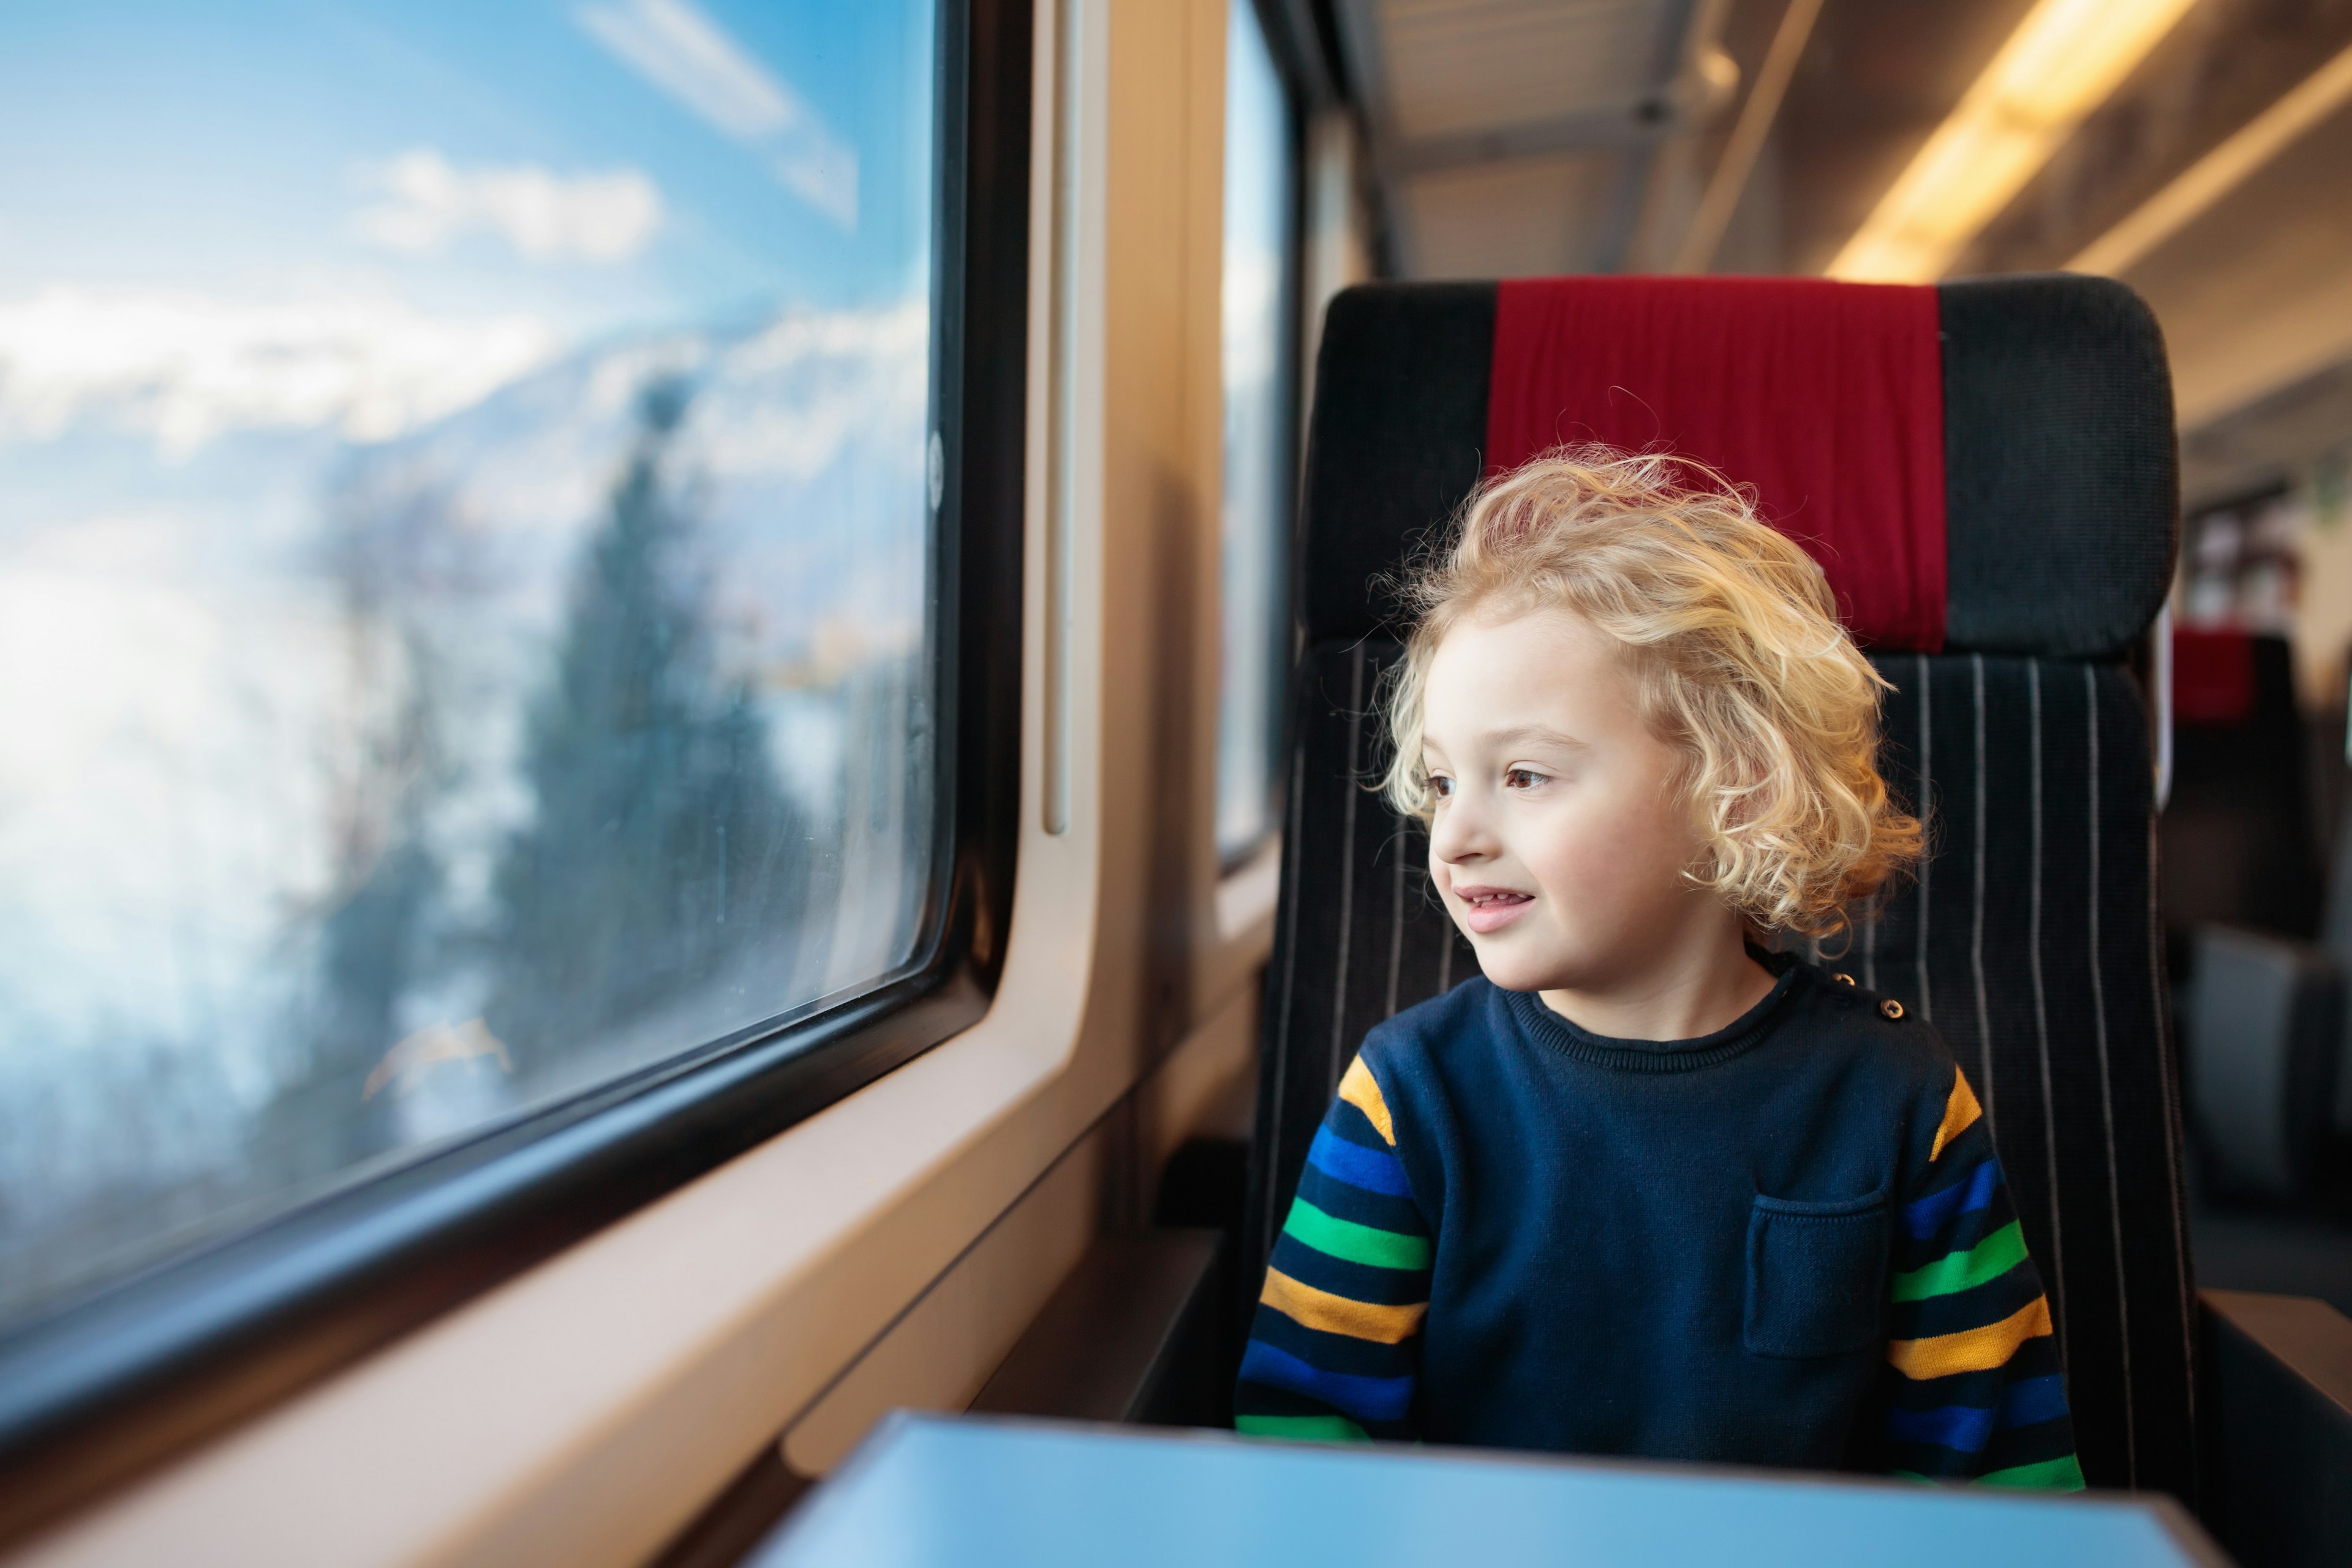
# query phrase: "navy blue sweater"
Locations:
[[1786, 1243]]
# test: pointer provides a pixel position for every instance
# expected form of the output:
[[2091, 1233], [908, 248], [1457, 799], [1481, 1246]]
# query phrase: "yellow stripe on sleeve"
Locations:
[[1359, 1089], [1961, 1113], [1974, 1349], [1323, 1311]]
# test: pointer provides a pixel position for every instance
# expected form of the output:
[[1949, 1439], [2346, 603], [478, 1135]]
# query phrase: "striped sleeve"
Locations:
[[1977, 1392], [1336, 1344]]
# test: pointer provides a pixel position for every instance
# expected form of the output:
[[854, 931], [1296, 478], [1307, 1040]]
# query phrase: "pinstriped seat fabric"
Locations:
[[2029, 938]]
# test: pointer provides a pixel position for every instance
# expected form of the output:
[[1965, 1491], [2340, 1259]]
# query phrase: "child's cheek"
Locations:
[[1595, 854], [1614, 867]]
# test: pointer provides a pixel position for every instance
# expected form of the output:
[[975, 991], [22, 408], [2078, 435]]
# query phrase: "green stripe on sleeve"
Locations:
[[1990, 1258], [2063, 1474], [1302, 1428], [1353, 1243]]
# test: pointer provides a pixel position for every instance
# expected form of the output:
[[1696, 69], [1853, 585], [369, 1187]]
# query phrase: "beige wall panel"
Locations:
[[940, 1353], [947, 1345], [1207, 1087]]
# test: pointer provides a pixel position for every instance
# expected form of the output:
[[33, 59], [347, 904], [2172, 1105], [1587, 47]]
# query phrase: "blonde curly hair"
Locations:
[[1738, 655]]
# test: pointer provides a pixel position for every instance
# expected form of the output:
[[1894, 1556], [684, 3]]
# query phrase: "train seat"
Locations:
[[1986, 471], [2262, 1005]]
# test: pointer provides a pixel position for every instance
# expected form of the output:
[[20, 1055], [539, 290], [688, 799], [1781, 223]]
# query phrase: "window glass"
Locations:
[[1255, 636], [464, 557]]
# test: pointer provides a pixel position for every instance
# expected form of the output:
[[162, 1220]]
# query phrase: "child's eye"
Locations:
[[1440, 785], [1521, 778]]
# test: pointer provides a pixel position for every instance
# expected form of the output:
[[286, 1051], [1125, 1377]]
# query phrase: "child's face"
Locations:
[[1560, 839]]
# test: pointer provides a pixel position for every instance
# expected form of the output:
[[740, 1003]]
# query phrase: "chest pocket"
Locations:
[[1816, 1276]]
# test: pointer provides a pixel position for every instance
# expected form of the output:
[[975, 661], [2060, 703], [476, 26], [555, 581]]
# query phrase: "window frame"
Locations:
[[1292, 77], [121, 1379]]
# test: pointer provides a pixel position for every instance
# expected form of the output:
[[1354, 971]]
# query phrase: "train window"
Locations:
[[467, 571], [1258, 290]]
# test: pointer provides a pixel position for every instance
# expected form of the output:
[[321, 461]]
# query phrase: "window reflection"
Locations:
[[464, 550], [1255, 640]]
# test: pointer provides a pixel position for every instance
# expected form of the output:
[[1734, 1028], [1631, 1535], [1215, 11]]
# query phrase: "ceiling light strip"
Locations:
[[2065, 59], [2224, 169]]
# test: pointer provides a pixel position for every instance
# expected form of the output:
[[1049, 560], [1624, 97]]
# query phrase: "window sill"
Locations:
[[582, 1411]]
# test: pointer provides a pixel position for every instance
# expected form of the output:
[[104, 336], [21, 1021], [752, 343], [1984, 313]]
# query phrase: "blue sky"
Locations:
[[236, 148]]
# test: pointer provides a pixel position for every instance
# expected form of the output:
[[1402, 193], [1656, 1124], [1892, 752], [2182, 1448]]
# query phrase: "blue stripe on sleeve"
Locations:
[[1365, 1398], [2026, 1402], [1357, 1165], [2031, 1400], [1960, 1427], [1934, 1212], [1966, 1429]]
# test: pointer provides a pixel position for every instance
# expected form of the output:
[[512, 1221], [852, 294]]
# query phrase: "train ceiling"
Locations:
[[2213, 169], [1516, 136]]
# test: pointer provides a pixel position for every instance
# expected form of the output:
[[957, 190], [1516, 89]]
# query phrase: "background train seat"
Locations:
[[2269, 1053], [1986, 470], [2262, 1005], [2237, 846]]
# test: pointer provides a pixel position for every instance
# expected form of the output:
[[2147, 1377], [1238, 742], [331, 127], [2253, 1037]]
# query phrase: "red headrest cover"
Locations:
[[1827, 397]]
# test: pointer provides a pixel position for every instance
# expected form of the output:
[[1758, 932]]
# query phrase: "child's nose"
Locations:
[[1457, 836]]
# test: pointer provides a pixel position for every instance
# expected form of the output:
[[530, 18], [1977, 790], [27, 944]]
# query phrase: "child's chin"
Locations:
[[1513, 972], [1520, 966]]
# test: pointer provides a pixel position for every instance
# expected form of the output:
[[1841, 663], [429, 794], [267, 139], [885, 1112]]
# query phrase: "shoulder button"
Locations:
[[1891, 1007]]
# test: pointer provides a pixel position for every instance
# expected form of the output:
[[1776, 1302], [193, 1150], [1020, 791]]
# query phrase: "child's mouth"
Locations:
[[1489, 909]]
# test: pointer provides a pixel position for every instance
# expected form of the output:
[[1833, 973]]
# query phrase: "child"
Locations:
[[1646, 1188]]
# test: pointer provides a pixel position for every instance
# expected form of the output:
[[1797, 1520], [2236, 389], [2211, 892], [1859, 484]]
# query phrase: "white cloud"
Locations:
[[687, 55], [185, 367], [546, 217]]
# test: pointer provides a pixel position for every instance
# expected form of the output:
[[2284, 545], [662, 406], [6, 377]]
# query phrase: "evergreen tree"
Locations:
[[376, 927], [660, 833]]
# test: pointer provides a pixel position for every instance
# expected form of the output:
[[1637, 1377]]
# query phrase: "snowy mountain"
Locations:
[[276, 701]]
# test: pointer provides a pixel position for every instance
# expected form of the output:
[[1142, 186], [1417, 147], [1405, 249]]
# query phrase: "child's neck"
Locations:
[[1685, 989]]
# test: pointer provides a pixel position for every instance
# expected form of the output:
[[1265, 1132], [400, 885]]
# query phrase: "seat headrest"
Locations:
[[1982, 465]]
